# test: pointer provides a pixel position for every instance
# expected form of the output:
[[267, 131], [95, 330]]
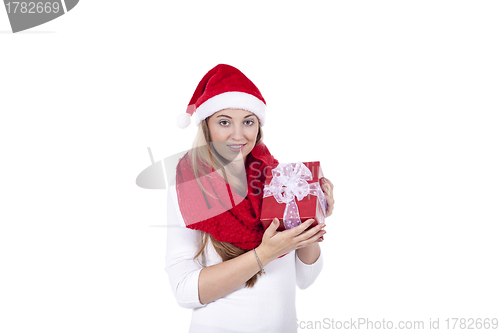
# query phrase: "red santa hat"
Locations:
[[223, 87]]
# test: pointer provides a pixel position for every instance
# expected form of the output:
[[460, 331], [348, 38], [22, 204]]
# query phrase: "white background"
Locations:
[[399, 100]]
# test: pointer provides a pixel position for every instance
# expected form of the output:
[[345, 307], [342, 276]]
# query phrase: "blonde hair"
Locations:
[[204, 153]]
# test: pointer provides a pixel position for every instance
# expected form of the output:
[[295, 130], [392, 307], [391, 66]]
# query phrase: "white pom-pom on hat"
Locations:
[[183, 120]]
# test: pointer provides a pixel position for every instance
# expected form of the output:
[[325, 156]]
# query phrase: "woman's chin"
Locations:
[[234, 156], [228, 155]]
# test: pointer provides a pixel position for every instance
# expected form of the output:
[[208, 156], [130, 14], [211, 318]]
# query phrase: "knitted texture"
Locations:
[[228, 217]]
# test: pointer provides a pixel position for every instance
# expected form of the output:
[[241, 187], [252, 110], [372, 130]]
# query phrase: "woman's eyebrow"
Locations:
[[223, 115]]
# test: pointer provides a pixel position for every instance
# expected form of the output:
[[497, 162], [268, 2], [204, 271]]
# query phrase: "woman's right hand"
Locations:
[[276, 243]]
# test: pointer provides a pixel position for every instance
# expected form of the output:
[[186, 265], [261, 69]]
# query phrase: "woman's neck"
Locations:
[[237, 168]]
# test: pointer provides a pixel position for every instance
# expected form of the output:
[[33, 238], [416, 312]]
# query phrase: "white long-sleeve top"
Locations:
[[269, 306]]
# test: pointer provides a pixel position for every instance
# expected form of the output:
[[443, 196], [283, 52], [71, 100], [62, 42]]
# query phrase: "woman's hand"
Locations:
[[327, 188], [276, 243]]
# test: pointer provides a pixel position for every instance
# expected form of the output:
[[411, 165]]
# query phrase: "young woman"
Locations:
[[236, 276]]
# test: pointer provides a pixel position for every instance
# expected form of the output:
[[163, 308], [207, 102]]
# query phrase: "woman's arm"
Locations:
[[309, 254], [195, 286], [307, 272], [309, 261], [235, 272], [183, 271], [221, 279]]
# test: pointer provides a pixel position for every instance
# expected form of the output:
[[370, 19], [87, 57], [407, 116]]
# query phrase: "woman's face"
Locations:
[[233, 132]]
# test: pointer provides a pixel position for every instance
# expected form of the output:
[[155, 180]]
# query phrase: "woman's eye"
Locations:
[[224, 122], [249, 122]]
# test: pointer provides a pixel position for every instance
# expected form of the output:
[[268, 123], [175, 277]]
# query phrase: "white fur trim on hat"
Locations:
[[231, 100]]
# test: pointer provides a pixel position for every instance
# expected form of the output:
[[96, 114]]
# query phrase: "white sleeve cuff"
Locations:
[[306, 274]]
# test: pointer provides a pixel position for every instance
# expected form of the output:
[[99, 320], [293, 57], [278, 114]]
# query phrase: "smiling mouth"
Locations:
[[236, 148]]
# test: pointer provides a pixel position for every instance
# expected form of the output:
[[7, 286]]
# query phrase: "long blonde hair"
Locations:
[[203, 152]]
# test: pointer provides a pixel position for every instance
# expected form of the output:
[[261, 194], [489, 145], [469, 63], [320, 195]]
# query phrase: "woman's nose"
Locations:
[[237, 133]]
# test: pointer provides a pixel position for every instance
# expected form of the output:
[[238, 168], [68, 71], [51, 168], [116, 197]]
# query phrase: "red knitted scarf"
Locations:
[[228, 217]]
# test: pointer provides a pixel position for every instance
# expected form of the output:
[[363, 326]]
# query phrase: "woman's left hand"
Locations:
[[327, 188]]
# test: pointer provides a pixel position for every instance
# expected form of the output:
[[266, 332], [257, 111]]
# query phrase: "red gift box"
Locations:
[[309, 207]]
